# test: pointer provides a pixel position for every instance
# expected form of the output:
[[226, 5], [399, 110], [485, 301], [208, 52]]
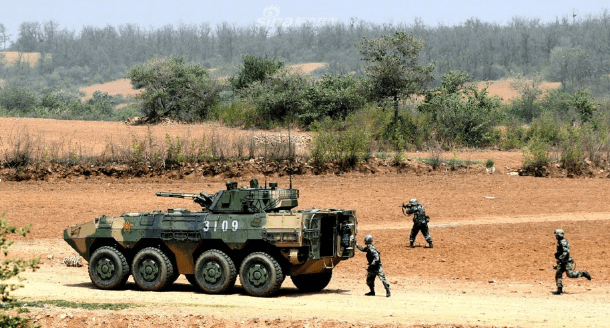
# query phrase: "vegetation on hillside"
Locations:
[[389, 87]]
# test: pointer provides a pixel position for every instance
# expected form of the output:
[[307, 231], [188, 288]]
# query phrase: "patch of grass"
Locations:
[[489, 163], [450, 161], [383, 155], [72, 305]]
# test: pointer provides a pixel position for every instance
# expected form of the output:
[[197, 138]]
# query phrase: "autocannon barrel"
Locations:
[[176, 194]]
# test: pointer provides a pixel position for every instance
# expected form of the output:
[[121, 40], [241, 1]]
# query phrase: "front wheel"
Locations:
[[108, 268], [311, 283], [215, 272], [260, 274], [152, 270]]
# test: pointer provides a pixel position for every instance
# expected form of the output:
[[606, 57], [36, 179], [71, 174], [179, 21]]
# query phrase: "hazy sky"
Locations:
[[73, 14]]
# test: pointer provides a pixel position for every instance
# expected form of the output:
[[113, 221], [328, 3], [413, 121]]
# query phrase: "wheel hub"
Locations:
[[257, 275], [149, 270], [105, 268], [212, 272]]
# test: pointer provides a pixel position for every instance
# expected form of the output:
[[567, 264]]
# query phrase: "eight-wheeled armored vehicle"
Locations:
[[253, 232]]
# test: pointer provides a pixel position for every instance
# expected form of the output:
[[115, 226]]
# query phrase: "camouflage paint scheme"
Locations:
[[237, 221]]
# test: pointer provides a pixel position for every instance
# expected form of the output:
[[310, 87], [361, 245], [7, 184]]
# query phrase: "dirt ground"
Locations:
[[491, 265]]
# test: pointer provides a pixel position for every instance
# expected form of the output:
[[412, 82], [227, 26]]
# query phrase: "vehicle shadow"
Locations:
[[236, 290]]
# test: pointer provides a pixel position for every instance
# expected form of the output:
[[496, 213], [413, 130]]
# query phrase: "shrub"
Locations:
[[15, 97], [254, 69], [12, 267], [536, 154], [174, 89], [460, 112]]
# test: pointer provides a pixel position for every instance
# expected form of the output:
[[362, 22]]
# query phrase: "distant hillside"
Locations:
[[123, 86], [11, 57]]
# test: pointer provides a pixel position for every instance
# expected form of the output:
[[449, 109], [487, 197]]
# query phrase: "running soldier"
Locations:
[[565, 263], [375, 268], [420, 221]]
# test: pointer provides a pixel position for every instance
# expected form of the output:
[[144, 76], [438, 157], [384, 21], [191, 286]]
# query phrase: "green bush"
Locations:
[[546, 128], [347, 142], [12, 267], [332, 96], [254, 69], [171, 88], [460, 113], [536, 154], [18, 98]]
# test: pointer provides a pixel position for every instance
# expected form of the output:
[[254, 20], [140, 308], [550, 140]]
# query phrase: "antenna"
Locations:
[[290, 154], [265, 161]]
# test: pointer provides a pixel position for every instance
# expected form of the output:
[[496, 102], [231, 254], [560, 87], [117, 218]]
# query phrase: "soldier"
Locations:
[[375, 268], [565, 263], [420, 221]]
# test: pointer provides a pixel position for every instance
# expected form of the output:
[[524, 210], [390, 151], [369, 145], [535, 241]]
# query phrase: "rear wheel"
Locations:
[[108, 268], [260, 274], [152, 269], [310, 283], [215, 272]]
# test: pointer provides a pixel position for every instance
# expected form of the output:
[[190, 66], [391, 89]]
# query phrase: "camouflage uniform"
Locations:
[[565, 263], [420, 223], [375, 269]]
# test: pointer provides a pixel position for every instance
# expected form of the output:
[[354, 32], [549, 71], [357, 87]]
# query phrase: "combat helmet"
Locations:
[[559, 232], [368, 239], [413, 202]]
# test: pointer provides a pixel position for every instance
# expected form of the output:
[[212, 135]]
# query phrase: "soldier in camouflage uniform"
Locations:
[[420, 221], [565, 263], [375, 268]]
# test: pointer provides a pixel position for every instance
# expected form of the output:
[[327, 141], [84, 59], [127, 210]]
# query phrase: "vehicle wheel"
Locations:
[[260, 274], [310, 283], [215, 272], [174, 277], [191, 279], [108, 268], [152, 269]]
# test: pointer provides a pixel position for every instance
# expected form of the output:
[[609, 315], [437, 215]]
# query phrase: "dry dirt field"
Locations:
[[491, 264]]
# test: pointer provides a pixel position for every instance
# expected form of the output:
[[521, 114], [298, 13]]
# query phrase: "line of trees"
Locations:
[[575, 52]]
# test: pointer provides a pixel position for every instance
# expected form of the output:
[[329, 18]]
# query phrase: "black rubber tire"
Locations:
[[174, 277], [152, 269], [108, 268], [260, 274], [215, 272], [191, 279], [311, 283]]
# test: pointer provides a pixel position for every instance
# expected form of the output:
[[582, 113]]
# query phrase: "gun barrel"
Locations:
[[175, 194]]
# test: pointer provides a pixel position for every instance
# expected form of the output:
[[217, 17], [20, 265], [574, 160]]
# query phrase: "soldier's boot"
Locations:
[[411, 245], [387, 291], [586, 275], [559, 291], [430, 245], [371, 293]]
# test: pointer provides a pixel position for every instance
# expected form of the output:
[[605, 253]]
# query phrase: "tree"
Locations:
[[394, 71], [254, 69], [4, 36], [12, 267], [173, 89]]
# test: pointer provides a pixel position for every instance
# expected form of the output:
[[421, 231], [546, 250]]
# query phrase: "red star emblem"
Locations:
[[127, 226]]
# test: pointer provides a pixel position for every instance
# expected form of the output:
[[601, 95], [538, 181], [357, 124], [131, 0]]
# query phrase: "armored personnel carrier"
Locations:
[[253, 232]]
